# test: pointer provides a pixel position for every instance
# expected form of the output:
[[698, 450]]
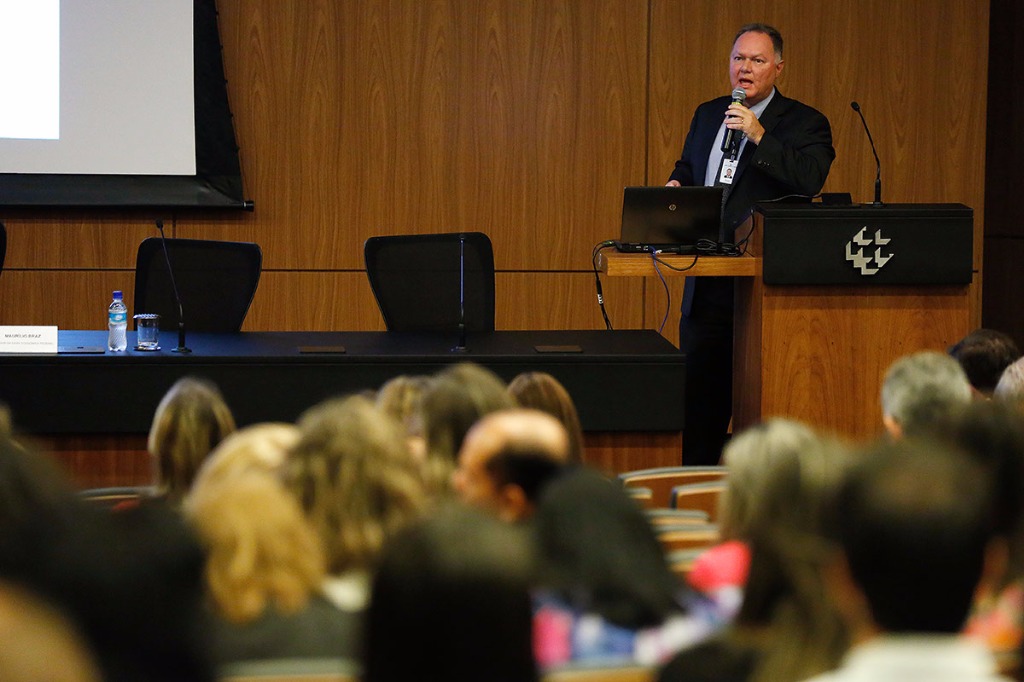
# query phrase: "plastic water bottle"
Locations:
[[117, 313]]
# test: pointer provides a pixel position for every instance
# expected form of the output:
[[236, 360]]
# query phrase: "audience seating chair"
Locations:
[[216, 280], [431, 282], [291, 670], [701, 496], [661, 480], [643, 496], [681, 561], [688, 536], [584, 673], [111, 497], [676, 517]]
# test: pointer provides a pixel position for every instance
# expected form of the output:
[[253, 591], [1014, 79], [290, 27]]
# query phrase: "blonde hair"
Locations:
[[191, 420], [355, 478], [261, 549], [260, 447], [400, 398], [541, 391]]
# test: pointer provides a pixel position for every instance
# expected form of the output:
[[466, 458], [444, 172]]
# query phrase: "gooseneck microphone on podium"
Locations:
[[461, 347], [878, 164], [182, 348], [738, 97]]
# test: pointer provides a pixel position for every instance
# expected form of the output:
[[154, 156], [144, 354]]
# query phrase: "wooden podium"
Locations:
[[814, 341]]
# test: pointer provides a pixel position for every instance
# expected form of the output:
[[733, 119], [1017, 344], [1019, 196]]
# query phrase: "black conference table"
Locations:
[[628, 380]]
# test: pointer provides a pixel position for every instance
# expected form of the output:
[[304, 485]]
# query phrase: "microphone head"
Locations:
[[739, 95], [855, 106]]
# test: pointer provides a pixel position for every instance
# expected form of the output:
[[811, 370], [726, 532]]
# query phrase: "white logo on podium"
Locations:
[[874, 260]]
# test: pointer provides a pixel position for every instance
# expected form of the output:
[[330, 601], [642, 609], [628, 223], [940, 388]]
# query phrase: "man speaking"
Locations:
[[759, 146]]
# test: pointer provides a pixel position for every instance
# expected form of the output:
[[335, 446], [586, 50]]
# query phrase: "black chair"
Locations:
[[432, 282], [216, 280]]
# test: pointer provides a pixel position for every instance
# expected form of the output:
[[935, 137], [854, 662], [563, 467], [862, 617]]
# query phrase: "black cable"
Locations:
[[597, 278]]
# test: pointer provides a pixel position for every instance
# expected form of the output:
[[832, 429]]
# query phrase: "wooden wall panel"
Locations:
[[314, 301], [522, 119], [71, 299], [565, 301]]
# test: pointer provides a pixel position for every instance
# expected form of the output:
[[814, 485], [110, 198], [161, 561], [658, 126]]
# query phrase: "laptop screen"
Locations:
[[670, 219]]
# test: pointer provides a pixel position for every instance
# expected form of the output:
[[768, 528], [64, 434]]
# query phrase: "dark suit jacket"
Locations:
[[793, 158]]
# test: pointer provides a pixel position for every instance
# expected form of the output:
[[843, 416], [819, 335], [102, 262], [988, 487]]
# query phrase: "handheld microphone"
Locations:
[[738, 97], [182, 348], [878, 164]]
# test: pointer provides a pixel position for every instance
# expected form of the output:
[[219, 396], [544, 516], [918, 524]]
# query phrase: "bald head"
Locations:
[[506, 459]]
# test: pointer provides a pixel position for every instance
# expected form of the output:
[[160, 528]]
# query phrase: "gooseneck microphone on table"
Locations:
[[461, 348], [182, 348], [878, 164], [738, 97]]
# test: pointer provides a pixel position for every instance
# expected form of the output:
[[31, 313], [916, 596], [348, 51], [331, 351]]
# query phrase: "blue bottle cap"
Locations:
[[118, 294]]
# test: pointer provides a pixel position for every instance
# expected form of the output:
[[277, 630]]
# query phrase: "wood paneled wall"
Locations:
[[520, 118]]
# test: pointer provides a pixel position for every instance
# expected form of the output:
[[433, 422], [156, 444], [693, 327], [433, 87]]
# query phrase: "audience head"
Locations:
[[913, 522], [261, 551], [992, 434], [541, 391], [597, 551], [355, 478], [451, 602], [400, 397], [751, 456], [191, 420], [6, 425], [507, 458], [920, 390], [40, 643], [984, 354], [1010, 389], [455, 399], [261, 448], [109, 573]]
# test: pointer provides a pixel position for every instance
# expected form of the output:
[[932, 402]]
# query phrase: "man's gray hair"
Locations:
[[1010, 388], [924, 388], [769, 31]]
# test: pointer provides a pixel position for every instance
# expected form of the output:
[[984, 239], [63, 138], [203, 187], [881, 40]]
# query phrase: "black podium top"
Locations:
[[629, 380], [862, 244]]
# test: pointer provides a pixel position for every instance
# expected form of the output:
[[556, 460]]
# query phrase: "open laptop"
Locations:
[[669, 219]]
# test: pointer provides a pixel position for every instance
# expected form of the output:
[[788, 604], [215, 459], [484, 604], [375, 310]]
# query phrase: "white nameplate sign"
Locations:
[[23, 339]]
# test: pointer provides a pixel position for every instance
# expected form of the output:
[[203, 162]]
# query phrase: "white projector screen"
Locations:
[[102, 86], [114, 103]]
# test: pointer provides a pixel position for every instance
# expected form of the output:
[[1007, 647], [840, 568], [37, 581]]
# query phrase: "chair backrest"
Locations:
[[676, 517], [702, 496], [291, 670], [624, 673], [217, 282], [111, 497], [681, 561], [661, 480], [422, 282], [642, 496], [688, 536]]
